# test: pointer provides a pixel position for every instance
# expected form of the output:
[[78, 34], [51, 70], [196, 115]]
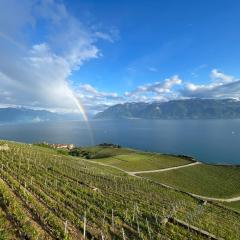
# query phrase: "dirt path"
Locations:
[[134, 174], [234, 199], [165, 169]]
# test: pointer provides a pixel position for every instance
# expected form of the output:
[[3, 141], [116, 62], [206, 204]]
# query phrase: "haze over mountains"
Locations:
[[176, 109], [13, 115]]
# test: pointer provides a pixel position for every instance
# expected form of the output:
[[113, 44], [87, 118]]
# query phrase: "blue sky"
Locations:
[[99, 53], [172, 37]]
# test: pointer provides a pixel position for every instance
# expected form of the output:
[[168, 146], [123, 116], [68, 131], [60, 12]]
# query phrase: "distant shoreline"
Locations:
[[205, 140]]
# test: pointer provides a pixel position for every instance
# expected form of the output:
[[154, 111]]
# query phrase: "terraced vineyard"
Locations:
[[234, 205], [143, 161], [46, 195], [206, 180], [133, 160]]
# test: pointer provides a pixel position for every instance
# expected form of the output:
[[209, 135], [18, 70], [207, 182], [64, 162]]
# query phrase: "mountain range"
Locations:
[[12, 115], [175, 109]]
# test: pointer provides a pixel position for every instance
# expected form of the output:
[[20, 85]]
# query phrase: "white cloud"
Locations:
[[173, 88], [88, 89], [221, 86], [158, 88], [50, 9], [38, 75], [13, 16], [104, 36], [221, 77], [95, 100], [38, 80]]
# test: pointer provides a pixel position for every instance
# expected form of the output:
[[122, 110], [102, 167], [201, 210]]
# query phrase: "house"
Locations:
[[4, 147], [62, 146]]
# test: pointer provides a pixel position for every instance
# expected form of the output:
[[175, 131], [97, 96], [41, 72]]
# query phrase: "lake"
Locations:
[[211, 141]]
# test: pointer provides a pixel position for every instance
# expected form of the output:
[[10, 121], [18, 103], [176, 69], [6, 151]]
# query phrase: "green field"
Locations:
[[98, 152], [130, 160], [46, 195], [205, 180], [234, 205], [141, 162]]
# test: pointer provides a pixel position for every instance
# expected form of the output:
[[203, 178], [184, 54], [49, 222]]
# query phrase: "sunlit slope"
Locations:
[[234, 205], [45, 195], [132, 160], [205, 180]]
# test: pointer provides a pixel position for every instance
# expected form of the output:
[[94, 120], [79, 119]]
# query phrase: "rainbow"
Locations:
[[67, 88], [83, 113], [80, 108]]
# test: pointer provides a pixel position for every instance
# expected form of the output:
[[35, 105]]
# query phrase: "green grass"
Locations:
[[234, 205], [6, 228], [103, 152], [205, 180], [42, 190], [143, 161]]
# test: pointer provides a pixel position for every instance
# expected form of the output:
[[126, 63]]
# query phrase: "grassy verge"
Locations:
[[234, 205], [143, 161], [126, 158], [205, 180]]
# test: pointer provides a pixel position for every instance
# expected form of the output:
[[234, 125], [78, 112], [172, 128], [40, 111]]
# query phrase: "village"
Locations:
[[59, 146]]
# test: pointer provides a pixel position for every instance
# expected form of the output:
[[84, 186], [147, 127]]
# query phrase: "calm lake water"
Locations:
[[212, 141]]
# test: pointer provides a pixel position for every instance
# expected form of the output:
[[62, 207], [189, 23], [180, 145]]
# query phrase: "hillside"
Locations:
[[47, 195], [206, 180], [219, 183], [177, 109]]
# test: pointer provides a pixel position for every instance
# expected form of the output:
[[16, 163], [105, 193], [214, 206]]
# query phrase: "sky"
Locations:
[[70, 55]]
